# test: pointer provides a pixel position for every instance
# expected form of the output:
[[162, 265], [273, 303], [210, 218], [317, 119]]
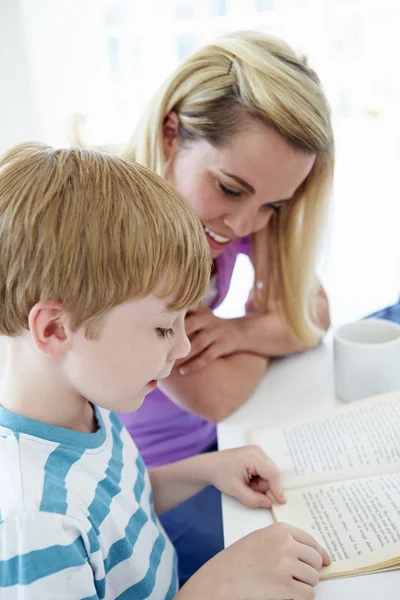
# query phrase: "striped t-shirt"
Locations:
[[76, 515]]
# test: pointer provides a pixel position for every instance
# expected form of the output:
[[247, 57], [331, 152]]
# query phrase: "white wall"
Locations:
[[67, 60], [19, 114], [52, 64]]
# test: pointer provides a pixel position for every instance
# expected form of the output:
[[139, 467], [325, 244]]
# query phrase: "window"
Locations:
[[186, 44], [219, 7], [262, 5], [184, 11]]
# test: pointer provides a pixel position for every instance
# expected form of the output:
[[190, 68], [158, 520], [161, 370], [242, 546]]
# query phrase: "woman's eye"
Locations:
[[228, 192], [272, 208], [165, 333]]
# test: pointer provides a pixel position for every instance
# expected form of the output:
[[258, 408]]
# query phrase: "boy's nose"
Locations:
[[181, 348]]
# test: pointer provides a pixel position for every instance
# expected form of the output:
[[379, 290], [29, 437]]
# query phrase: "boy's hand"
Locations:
[[278, 562], [247, 474]]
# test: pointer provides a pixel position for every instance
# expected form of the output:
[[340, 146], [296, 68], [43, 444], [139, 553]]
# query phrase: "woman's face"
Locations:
[[235, 189]]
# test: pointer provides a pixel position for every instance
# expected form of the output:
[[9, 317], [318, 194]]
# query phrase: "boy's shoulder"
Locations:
[[50, 470]]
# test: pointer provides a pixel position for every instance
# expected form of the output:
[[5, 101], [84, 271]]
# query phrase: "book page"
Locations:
[[359, 439], [358, 522]]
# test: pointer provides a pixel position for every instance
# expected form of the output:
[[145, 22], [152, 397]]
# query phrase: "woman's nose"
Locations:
[[241, 224]]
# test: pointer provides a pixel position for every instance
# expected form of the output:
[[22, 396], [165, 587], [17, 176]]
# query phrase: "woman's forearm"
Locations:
[[223, 385], [268, 335]]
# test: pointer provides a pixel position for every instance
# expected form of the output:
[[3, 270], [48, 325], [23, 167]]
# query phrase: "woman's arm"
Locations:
[[263, 334], [268, 335], [213, 387], [216, 391]]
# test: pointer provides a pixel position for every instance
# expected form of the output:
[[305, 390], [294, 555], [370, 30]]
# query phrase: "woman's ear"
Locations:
[[50, 327], [170, 132]]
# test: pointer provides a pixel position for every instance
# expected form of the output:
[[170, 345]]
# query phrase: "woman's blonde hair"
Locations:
[[92, 231], [249, 74]]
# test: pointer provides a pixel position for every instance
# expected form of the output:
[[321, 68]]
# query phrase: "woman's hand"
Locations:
[[263, 334], [210, 337], [246, 474], [320, 310]]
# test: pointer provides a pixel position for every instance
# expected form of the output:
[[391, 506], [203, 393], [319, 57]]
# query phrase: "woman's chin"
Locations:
[[216, 252]]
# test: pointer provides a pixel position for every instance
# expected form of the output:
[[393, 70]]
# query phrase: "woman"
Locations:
[[242, 129]]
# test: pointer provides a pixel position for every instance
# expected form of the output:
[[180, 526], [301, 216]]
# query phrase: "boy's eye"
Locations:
[[165, 333], [228, 192]]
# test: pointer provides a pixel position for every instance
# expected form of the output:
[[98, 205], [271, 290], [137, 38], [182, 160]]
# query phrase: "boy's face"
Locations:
[[138, 343]]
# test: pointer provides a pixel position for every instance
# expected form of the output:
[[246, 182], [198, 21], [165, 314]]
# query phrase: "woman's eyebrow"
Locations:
[[250, 188], [240, 181]]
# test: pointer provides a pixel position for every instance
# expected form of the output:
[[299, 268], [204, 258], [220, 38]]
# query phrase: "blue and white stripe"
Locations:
[[76, 515]]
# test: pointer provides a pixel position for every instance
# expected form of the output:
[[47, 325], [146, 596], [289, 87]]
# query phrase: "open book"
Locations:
[[341, 476]]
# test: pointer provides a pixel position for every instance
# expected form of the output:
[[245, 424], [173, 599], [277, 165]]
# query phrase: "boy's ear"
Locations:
[[49, 324], [170, 132]]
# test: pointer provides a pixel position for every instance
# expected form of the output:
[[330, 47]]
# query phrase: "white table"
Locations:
[[295, 387]]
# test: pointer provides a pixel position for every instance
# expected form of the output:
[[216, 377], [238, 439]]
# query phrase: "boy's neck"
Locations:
[[33, 386]]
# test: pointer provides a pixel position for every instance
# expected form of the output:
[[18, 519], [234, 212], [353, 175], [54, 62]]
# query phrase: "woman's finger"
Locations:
[[202, 318], [199, 362], [200, 342], [194, 323]]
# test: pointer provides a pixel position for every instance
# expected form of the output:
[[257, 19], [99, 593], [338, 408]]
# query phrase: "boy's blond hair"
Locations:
[[92, 231]]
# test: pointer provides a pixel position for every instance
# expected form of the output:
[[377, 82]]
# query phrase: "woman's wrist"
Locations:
[[266, 335], [242, 330]]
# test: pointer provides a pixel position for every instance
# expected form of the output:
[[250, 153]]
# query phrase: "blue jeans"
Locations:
[[195, 529], [391, 313]]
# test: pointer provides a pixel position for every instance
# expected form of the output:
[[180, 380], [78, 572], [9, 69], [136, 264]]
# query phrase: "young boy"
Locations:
[[99, 260]]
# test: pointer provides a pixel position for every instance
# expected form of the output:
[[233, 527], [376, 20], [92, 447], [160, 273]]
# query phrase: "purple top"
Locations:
[[163, 431]]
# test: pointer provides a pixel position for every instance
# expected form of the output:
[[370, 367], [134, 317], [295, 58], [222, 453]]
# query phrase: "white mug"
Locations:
[[366, 359]]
